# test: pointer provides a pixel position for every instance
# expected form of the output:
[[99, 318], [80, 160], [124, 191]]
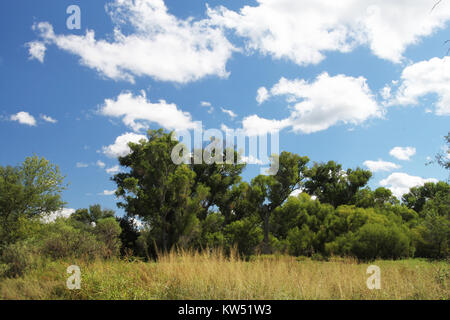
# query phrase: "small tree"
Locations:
[[27, 192]]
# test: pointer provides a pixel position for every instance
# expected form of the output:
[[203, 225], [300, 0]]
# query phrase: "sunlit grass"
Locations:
[[191, 275]]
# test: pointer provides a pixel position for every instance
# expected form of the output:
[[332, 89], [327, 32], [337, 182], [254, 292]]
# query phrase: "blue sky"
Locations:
[[335, 60]]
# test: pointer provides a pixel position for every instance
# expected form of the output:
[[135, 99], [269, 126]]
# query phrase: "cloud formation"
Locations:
[[380, 165], [303, 31], [403, 153], [137, 113], [24, 118], [158, 45], [120, 147], [318, 105], [423, 78]]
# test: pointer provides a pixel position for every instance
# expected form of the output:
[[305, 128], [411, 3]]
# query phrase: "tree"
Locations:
[[159, 191], [219, 178], [27, 192], [108, 231], [270, 192], [330, 184], [417, 197], [92, 215], [443, 158]]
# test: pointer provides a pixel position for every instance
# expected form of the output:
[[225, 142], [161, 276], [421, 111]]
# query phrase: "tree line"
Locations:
[[203, 206]]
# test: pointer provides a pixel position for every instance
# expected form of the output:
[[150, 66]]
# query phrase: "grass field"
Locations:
[[214, 276]]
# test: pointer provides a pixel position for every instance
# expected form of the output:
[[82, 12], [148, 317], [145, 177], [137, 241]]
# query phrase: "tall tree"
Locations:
[[331, 184], [159, 191], [270, 192]]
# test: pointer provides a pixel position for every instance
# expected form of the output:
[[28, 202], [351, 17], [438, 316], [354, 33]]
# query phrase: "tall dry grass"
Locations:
[[212, 275]]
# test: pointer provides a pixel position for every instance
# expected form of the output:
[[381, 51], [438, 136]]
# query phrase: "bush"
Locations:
[[375, 240], [245, 234], [17, 258]]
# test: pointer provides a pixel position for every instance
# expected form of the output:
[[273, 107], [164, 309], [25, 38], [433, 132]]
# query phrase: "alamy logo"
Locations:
[[374, 281], [74, 20], [251, 149], [74, 281]]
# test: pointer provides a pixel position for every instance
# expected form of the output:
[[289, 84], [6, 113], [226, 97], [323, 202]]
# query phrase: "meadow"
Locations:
[[212, 275]]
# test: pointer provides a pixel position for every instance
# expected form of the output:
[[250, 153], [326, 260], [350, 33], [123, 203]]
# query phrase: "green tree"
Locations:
[[417, 197], [159, 191], [270, 192], [331, 184], [92, 215], [27, 192]]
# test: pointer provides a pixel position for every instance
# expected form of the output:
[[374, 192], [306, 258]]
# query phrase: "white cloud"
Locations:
[[303, 31], [63, 213], [120, 147], [380, 165], [107, 193], [137, 112], [100, 164], [262, 95], [158, 44], [24, 118], [254, 125], [423, 78], [400, 183], [328, 101], [113, 170], [229, 112], [82, 165], [36, 50], [403, 153], [48, 119]]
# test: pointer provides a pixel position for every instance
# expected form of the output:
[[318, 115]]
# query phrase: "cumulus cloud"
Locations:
[[380, 165], [255, 126], [48, 119], [137, 112], [120, 147], [24, 118], [262, 95], [403, 153], [229, 112], [400, 183], [423, 78], [303, 31], [157, 44], [318, 105], [63, 213], [36, 50]]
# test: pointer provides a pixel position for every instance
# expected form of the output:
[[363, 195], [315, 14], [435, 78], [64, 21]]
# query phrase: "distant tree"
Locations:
[[271, 191], [27, 192], [92, 215], [331, 184]]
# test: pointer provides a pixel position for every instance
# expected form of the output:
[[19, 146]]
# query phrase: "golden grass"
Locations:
[[190, 275]]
